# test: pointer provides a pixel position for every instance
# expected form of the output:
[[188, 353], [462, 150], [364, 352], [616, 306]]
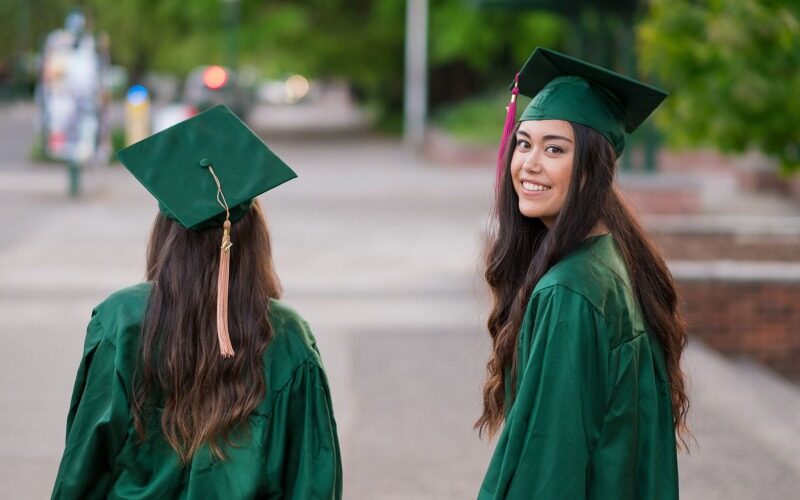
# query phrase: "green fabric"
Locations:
[[566, 88], [173, 166], [291, 450], [574, 99], [592, 417]]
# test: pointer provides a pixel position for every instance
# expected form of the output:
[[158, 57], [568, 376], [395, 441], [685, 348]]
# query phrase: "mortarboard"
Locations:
[[205, 172], [168, 164], [566, 88]]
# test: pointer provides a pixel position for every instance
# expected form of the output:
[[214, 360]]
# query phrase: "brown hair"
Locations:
[[521, 250], [204, 396]]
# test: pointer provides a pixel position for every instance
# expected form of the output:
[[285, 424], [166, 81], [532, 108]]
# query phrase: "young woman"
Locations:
[[199, 383], [584, 378]]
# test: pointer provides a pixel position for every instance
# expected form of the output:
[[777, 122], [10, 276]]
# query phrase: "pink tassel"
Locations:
[[511, 118]]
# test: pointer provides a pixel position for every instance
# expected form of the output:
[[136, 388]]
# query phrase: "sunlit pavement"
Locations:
[[380, 251]]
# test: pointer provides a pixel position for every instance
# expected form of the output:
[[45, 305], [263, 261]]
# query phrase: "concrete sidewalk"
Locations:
[[381, 252]]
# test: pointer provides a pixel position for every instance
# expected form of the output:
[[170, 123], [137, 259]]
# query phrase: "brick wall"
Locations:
[[713, 246], [759, 318], [661, 200]]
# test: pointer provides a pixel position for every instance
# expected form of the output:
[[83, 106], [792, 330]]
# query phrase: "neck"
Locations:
[[598, 230]]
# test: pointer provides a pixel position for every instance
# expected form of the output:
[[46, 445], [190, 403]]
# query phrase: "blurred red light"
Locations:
[[215, 77]]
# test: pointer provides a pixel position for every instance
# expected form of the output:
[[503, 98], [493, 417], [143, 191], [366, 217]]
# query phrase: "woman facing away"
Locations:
[[199, 383], [584, 378]]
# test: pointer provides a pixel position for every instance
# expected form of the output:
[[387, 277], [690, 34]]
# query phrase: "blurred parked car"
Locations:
[[208, 86], [293, 90], [167, 115]]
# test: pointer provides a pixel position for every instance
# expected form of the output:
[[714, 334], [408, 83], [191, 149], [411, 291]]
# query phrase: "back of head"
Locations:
[[204, 396]]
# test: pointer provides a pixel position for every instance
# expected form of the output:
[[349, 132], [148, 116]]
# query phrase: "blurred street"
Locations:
[[380, 251]]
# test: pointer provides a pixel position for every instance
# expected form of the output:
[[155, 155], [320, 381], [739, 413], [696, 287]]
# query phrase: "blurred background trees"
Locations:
[[733, 68], [359, 41]]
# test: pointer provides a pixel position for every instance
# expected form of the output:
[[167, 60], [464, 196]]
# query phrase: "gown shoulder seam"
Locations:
[[278, 391], [571, 290]]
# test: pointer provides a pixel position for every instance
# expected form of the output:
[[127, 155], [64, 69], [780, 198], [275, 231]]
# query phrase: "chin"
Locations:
[[531, 212]]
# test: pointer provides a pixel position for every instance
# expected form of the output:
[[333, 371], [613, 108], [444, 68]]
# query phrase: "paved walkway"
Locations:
[[380, 251]]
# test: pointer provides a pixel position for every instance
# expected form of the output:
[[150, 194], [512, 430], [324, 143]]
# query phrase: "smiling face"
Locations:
[[541, 167]]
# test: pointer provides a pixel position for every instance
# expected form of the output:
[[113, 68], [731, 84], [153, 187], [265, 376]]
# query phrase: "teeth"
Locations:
[[530, 186]]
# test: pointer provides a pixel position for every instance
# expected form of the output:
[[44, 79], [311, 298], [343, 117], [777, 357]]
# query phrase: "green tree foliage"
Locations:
[[478, 37], [733, 68], [161, 35], [360, 41], [25, 24]]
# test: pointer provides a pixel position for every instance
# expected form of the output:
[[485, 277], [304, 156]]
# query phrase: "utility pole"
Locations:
[[231, 18], [416, 73]]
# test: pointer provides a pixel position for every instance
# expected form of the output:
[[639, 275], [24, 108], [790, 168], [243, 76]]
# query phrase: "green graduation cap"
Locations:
[[205, 172], [176, 166], [566, 88]]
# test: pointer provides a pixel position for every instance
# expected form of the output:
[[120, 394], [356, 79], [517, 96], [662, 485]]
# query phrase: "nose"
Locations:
[[531, 162]]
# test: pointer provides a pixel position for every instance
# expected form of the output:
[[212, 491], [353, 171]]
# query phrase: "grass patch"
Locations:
[[477, 120], [117, 143]]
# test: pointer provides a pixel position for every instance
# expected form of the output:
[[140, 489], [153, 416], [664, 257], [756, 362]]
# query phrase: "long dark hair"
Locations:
[[204, 396], [521, 250]]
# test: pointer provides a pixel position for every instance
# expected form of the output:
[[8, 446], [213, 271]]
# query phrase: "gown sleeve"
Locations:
[[96, 423], [555, 420], [314, 467]]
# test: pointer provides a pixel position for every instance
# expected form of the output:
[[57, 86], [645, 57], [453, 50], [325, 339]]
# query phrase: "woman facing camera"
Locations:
[[584, 381], [200, 383]]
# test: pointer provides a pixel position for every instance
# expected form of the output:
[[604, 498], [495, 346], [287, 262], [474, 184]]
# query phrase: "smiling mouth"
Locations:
[[532, 186]]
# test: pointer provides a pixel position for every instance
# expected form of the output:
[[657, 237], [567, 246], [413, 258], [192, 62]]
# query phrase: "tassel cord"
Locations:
[[223, 278], [225, 346]]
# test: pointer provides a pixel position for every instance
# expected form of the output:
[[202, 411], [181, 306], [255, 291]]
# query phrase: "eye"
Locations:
[[523, 145], [554, 149]]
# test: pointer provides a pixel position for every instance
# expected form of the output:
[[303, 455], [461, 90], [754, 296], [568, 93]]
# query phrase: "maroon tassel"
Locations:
[[511, 118]]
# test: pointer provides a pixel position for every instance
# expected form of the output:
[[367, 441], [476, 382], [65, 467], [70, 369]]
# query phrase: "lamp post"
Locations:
[[416, 72], [231, 17]]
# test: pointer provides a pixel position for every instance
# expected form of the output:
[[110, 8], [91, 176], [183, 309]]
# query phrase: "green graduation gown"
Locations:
[[291, 450], [592, 417]]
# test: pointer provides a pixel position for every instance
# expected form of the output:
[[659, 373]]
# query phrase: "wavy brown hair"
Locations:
[[521, 250], [204, 397]]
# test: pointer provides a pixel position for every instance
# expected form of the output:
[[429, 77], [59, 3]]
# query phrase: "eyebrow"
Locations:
[[548, 137]]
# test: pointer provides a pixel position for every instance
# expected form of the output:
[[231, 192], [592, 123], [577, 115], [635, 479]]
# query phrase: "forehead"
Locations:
[[541, 128]]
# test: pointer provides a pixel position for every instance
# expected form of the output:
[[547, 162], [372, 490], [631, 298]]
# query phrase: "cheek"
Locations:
[[516, 164], [563, 175]]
